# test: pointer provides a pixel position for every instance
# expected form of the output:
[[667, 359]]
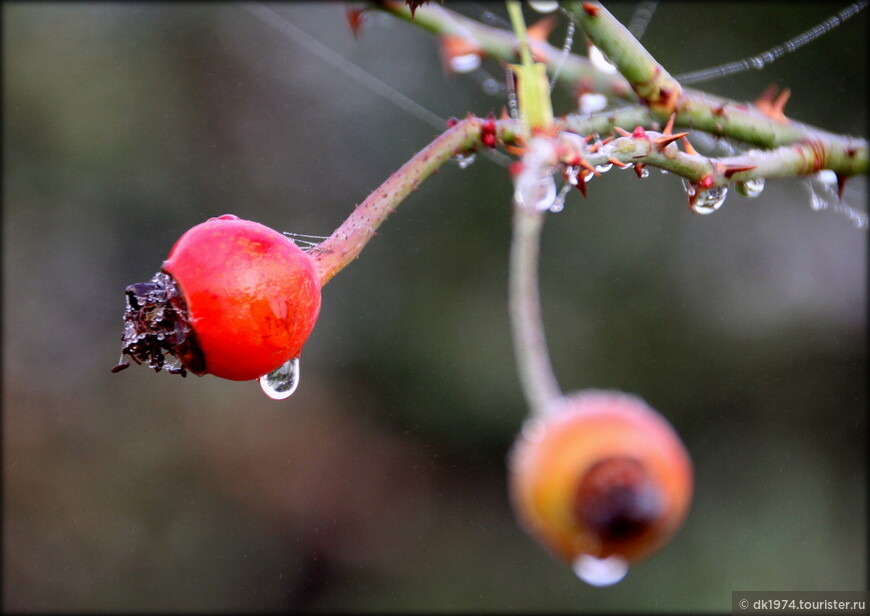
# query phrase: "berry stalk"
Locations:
[[530, 345], [344, 245]]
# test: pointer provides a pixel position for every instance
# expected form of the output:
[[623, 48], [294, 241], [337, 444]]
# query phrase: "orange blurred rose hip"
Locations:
[[602, 481]]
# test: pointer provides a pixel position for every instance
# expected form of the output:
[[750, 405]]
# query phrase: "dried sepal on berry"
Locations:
[[156, 328]]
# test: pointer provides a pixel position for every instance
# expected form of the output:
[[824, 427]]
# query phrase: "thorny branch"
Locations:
[[795, 149], [655, 93]]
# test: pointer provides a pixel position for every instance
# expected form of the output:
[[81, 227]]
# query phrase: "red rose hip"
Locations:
[[235, 299]]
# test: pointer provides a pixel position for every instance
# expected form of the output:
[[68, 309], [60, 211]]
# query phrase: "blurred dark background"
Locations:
[[381, 483]]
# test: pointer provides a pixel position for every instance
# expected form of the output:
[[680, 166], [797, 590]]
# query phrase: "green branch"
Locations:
[[647, 148], [649, 79], [695, 110], [502, 45]]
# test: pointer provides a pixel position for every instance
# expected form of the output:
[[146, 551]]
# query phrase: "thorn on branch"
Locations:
[[731, 170], [618, 163], [773, 105], [841, 184], [538, 34], [670, 125], [661, 142], [590, 9], [581, 184], [413, 5], [459, 54], [355, 18], [689, 148]]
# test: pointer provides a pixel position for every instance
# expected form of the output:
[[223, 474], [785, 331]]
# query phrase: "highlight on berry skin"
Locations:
[[602, 481], [234, 298]]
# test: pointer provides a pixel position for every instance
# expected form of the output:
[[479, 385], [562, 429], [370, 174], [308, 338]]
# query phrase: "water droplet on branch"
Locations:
[[491, 87], [465, 160], [591, 102], [600, 61], [465, 63], [571, 175], [710, 200], [544, 6], [750, 188], [538, 193], [826, 176], [559, 202], [281, 382], [600, 571]]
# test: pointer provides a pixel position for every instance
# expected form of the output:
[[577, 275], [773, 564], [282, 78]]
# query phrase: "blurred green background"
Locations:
[[381, 484]]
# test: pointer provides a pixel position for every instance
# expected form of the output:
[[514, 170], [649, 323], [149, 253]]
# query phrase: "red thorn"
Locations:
[[729, 171], [451, 122], [413, 4], [589, 138], [618, 163], [639, 133], [670, 125], [355, 17], [661, 142], [705, 182], [638, 169], [606, 140], [766, 96], [689, 149], [581, 184], [781, 100], [585, 165], [590, 9], [622, 131], [540, 30], [773, 105], [841, 184]]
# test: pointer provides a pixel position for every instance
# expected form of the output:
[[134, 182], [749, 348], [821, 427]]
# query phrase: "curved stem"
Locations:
[[344, 245], [530, 345]]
